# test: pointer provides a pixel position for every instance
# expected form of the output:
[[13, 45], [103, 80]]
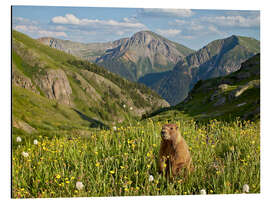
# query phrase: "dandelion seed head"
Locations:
[[245, 188], [25, 154], [151, 178], [18, 139], [79, 185], [203, 192]]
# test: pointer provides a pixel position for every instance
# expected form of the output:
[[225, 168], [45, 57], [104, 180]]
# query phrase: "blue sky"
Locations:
[[192, 28]]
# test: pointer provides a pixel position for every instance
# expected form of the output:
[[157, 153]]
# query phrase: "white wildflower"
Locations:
[[124, 106], [35, 142], [203, 192], [114, 128], [242, 104], [245, 188], [79, 185], [131, 108], [18, 139], [25, 154], [151, 178]]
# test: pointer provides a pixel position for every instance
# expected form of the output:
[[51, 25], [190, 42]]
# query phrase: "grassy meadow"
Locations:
[[122, 161]]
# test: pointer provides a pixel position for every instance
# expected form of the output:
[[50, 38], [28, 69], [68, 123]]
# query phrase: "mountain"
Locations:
[[55, 90], [218, 58], [144, 52], [86, 51], [226, 97]]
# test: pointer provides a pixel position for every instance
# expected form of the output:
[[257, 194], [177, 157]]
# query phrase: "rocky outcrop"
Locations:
[[21, 80], [55, 85], [23, 125], [239, 91]]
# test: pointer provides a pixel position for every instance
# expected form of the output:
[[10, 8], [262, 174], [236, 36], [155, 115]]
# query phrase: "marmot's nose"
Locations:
[[163, 132]]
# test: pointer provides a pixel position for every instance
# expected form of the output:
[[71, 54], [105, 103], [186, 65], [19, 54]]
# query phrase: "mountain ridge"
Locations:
[[144, 52], [226, 98], [218, 58]]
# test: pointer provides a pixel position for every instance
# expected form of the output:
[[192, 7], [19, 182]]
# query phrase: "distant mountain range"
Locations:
[[167, 67], [144, 52], [218, 58], [236, 95], [52, 89]]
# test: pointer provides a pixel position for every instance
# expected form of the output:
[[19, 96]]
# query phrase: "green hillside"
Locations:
[[52, 90]]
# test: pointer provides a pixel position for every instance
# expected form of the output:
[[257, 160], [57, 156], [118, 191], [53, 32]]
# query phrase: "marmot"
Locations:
[[174, 154]]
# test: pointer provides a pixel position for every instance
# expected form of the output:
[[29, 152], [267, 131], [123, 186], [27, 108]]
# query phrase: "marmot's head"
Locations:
[[169, 132]]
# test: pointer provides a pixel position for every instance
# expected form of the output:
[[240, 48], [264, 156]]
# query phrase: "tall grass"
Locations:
[[119, 162]]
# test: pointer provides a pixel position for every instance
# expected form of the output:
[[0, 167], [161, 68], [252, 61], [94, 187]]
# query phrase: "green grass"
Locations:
[[118, 163]]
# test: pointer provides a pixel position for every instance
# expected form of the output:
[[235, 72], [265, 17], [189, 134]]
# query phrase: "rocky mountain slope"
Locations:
[[218, 58], [144, 52], [227, 97], [86, 51], [52, 89]]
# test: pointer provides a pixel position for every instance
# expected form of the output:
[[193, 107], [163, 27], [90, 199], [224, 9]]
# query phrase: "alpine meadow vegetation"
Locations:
[[122, 161]]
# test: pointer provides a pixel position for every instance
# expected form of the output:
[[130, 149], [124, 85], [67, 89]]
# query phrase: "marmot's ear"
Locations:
[[176, 127]]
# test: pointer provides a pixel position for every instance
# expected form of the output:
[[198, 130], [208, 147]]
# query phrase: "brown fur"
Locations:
[[174, 154]]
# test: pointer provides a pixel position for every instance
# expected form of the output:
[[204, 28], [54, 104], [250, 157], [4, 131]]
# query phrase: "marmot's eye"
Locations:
[[171, 128]]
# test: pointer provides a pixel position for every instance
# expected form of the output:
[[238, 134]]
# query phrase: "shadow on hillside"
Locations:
[[93, 123]]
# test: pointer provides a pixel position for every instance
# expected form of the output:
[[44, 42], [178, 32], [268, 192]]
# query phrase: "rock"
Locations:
[[223, 87], [221, 101], [54, 83], [242, 89], [214, 96], [24, 126], [242, 104], [23, 81]]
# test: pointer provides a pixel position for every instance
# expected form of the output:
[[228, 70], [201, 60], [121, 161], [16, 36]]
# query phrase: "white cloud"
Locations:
[[67, 19], [214, 29], [46, 33], [29, 28], [169, 32], [70, 19], [180, 22], [166, 12], [120, 33], [39, 31], [25, 21], [234, 21]]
